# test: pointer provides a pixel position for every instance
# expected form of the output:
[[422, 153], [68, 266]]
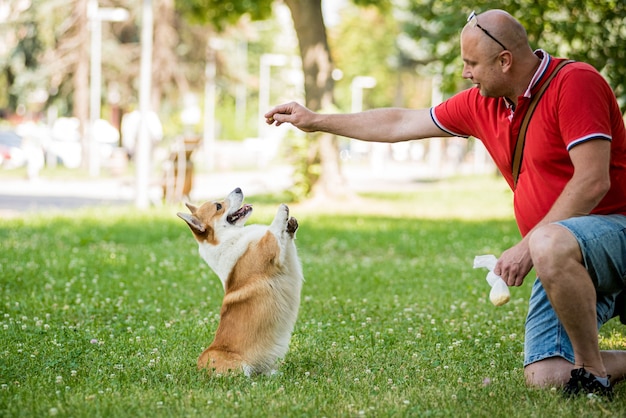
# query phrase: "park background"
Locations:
[[105, 303]]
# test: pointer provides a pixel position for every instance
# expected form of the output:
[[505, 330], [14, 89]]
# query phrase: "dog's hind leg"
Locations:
[[219, 362]]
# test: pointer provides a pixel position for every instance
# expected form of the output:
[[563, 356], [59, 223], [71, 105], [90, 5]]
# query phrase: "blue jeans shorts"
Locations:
[[602, 240]]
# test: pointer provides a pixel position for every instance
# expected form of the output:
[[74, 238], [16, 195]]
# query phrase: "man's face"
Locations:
[[481, 64]]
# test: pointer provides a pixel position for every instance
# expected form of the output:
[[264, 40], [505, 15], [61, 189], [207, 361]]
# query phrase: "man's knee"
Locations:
[[553, 371], [551, 246]]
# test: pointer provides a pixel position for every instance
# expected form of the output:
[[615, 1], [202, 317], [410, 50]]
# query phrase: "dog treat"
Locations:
[[500, 293]]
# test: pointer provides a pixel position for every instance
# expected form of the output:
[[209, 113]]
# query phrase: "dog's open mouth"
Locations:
[[240, 213]]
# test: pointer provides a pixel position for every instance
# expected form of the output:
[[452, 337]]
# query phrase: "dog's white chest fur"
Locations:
[[231, 247]]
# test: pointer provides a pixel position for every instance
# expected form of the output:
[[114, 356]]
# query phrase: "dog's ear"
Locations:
[[193, 222], [191, 207]]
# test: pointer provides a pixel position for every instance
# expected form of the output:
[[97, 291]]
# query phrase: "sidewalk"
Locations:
[[18, 195]]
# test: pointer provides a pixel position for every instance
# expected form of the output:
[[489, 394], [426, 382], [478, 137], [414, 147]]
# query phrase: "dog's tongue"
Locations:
[[241, 212]]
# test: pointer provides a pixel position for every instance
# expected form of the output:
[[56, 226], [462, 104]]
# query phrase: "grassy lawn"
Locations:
[[104, 312]]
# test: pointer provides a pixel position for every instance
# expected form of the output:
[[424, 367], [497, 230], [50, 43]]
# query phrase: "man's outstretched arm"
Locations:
[[378, 125]]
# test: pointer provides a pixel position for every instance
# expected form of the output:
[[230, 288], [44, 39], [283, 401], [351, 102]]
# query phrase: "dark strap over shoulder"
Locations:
[[521, 137]]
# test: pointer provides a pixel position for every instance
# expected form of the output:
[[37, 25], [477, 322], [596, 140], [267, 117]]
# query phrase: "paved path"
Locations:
[[45, 194], [21, 195]]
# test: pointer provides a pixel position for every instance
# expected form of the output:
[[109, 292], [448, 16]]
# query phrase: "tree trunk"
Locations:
[[318, 86], [165, 67]]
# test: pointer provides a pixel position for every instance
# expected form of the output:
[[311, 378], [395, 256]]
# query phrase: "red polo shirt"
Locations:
[[578, 106]]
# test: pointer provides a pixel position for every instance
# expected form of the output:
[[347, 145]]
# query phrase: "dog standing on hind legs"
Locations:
[[262, 277]]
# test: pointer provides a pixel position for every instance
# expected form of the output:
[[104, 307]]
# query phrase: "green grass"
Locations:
[[104, 312]]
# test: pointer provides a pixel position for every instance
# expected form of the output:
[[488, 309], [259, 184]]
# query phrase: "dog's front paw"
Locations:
[[282, 214], [283, 209], [279, 223], [292, 226]]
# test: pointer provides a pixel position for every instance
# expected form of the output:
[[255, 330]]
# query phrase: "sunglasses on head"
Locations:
[[472, 19]]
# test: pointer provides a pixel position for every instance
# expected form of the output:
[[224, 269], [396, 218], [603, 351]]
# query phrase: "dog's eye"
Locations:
[[218, 206]]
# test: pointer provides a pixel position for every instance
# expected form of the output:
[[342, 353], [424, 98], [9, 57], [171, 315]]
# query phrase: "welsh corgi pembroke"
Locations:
[[262, 277]]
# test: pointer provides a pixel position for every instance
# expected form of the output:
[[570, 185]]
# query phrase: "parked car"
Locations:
[[12, 153]]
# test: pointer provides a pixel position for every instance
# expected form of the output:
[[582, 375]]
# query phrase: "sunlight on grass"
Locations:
[[104, 311], [483, 197]]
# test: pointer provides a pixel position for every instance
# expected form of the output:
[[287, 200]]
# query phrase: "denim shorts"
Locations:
[[602, 240]]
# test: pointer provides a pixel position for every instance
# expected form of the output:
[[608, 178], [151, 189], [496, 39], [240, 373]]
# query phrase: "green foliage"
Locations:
[[584, 30], [374, 56], [222, 13], [383, 5], [18, 67], [103, 313], [307, 167], [374, 35]]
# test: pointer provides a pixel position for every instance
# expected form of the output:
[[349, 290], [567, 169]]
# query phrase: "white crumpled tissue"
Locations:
[[499, 294]]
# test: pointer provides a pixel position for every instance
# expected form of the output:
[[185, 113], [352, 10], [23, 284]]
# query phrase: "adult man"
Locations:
[[570, 198]]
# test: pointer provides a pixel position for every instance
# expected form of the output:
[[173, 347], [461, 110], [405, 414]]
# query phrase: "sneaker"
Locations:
[[587, 383]]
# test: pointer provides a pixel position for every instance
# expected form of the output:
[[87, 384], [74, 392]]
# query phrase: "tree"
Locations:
[[318, 86], [317, 67]]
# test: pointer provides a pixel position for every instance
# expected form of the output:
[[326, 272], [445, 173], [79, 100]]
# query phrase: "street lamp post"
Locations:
[[96, 16], [144, 146], [210, 96], [356, 88], [267, 61]]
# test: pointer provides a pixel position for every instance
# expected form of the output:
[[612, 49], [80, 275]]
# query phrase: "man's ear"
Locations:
[[193, 222], [506, 61]]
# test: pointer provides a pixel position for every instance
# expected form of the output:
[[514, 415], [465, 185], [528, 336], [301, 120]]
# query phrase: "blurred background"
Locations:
[[156, 101]]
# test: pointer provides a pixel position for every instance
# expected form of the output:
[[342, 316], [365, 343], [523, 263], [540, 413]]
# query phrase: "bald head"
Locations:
[[503, 27], [497, 56]]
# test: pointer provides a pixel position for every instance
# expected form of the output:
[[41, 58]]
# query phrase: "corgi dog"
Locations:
[[262, 277]]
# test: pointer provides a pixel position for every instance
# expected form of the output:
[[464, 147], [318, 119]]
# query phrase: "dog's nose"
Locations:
[[237, 190]]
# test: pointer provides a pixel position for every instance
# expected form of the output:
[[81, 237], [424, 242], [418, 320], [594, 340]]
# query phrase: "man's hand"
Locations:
[[515, 263], [293, 113]]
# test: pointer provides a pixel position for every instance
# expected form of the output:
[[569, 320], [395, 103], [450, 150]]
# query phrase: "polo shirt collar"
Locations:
[[543, 66]]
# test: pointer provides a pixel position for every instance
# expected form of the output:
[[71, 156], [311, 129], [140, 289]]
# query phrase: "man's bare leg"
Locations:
[[558, 262], [556, 371]]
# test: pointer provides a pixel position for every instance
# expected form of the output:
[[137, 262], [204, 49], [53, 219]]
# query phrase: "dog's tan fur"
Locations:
[[262, 280]]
